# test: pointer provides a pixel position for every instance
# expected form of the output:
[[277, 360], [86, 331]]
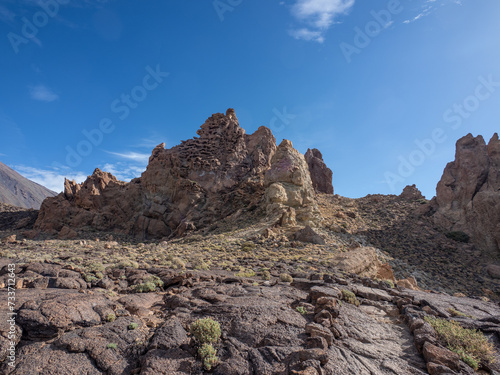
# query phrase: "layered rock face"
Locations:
[[321, 175], [191, 186], [468, 194]]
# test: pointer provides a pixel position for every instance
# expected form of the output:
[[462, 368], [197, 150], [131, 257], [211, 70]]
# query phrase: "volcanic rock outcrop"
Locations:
[[468, 194], [289, 188], [321, 175], [192, 185]]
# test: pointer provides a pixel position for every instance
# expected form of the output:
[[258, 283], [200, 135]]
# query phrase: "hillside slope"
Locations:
[[17, 190]]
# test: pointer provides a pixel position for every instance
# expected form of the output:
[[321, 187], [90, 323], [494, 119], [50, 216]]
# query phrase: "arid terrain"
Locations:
[[299, 280]]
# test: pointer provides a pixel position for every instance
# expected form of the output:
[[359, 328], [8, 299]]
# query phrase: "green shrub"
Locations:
[[149, 284], [458, 236], [112, 346], [133, 326], [206, 330], [144, 287], [471, 345], [286, 278], [266, 275], [301, 310], [210, 362], [349, 297], [207, 350], [111, 317], [246, 273], [90, 278]]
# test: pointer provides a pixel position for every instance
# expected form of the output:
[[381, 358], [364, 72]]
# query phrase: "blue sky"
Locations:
[[383, 88]]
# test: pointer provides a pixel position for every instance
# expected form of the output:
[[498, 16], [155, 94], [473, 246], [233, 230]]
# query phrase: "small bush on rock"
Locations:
[[208, 355], [286, 278], [111, 317], [350, 297], [206, 330], [301, 310], [471, 345]]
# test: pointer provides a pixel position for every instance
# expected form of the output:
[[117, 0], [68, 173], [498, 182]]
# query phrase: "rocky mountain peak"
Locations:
[[468, 194], [193, 185]]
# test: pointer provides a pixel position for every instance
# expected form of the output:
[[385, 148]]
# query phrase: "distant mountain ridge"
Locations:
[[18, 191]]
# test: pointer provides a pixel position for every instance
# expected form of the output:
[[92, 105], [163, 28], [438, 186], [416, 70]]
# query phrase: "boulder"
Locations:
[[307, 234]]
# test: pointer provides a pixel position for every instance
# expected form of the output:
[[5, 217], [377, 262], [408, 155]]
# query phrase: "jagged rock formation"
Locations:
[[17, 190], [468, 194], [321, 175], [289, 191], [191, 186], [411, 193]]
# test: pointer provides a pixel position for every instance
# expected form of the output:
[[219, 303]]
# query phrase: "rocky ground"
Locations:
[[103, 303]]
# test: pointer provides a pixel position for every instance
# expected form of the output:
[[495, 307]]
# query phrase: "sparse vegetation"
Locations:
[[286, 278], [132, 326], [206, 331], [112, 346], [454, 312], [246, 273], [149, 284], [111, 317], [349, 297], [301, 310], [144, 287], [471, 345], [208, 356], [266, 275], [458, 236]]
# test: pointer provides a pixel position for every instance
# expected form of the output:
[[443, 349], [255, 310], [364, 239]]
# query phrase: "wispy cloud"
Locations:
[[318, 16], [51, 179], [428, 7], [42, 93], [309, 35], [124, 171], [130, 155], [149, 143]]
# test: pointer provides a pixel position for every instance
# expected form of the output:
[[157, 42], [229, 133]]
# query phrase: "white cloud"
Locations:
[[42, 93], [428, 7], [309, 35], [124, 171], [51, 179], [130, 155], [319, 16]]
